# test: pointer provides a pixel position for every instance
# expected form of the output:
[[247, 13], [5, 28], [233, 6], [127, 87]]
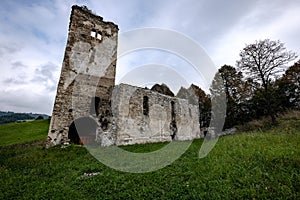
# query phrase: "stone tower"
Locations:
[[86, 81]]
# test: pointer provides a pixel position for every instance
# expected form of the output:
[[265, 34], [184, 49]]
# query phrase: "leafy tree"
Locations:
[[248, 106], [13, 117], [238, 93], [232, 81], [218, 104], [262, 62], [258, 104], [39, 117], [289, 87]]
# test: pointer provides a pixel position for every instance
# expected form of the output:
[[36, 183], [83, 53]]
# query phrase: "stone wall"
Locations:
[[143, 116], [88, 73]]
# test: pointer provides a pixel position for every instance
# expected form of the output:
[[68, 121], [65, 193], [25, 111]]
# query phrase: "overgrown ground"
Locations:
[[252, 165]]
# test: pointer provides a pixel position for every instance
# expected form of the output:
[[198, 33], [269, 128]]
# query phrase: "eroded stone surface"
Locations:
[[166, 116], [88, 73]]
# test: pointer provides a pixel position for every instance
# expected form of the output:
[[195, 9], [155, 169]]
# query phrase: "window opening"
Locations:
[[99, 36], [95, 101], [93, 33], [146, 106], [173, 125]]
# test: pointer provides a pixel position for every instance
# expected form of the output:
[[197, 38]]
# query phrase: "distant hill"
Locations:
[[8, 117]]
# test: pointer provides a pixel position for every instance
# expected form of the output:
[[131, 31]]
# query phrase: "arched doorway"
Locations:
[[83, 131]]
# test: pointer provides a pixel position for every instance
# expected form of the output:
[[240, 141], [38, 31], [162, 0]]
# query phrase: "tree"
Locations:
[[258, 104], [238, 93], [218, 104], [232, 82], [288, 87], [39, 117], [263, 61]]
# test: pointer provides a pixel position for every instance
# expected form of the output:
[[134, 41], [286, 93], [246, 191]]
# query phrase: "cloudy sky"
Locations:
[[33, 36]]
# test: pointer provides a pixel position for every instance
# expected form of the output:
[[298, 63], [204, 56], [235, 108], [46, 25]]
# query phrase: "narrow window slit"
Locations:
[[146, 106]]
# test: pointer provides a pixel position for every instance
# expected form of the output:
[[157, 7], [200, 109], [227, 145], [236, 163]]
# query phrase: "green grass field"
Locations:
[[252, 165], [14, 133]]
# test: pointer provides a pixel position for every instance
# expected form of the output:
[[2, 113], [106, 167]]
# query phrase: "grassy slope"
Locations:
[[14, 133], [249, 165]]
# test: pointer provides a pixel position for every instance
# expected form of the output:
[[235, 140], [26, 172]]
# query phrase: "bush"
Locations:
[[263, 124]]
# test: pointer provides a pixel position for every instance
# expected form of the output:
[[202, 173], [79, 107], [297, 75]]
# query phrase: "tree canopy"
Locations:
[[262, 62], [264, 59]]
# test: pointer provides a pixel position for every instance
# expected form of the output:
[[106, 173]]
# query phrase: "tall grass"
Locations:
[[265, 123]]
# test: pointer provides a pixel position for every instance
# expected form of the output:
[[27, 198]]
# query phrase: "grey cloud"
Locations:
[[26, 101], [24, 94], [46, 20], [44, 74], [46, 71], [18, 65], [8, 49], [207, 21], [202, 20], [19, 80]]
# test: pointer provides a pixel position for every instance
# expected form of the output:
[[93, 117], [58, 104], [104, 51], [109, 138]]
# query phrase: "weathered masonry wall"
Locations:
[[142, 116], [89, 107], [87, 76]]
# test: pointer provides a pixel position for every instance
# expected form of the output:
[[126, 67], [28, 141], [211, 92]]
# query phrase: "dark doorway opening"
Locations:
[[83, 131]]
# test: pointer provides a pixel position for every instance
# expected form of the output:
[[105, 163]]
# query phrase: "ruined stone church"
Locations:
[[90, 109]]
